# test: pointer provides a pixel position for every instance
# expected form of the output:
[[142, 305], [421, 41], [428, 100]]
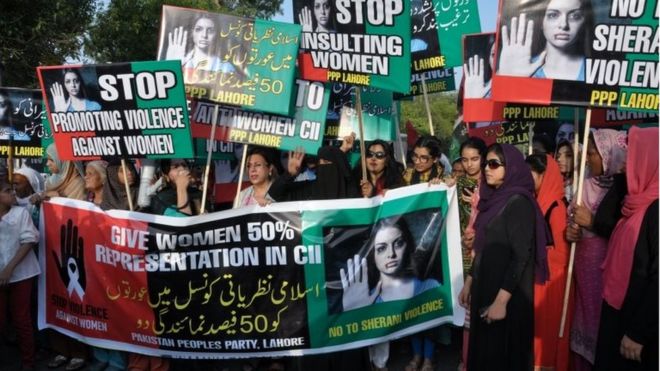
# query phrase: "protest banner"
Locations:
[[356, 43], [428, 63], [220, 150], [478, 69], [119, 110], [250, 63], [605, 56], [21, 115], [304, 128], [255, 281], [455, 19], [611, 118], [377, 114]]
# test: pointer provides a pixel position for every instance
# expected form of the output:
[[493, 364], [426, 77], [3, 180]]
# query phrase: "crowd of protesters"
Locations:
[[518, 217]]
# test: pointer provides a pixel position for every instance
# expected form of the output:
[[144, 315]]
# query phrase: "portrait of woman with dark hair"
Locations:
[[478, 73], [73, 97], [387, 272], [549, 42], [197, 49], [324, 17]]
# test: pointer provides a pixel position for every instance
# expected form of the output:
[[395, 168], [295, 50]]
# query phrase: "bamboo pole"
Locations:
[[580, 185], [127, 188], [209, 153], [363, 152], [427, 105], [240, 175]]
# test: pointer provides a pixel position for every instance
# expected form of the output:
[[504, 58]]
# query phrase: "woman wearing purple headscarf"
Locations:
[[510, 246]]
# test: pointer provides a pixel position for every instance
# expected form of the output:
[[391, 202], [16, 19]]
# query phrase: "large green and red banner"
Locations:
[[303, 129], [286, 279], [357, 43], [119, 110], [597, 53], [249, 63]]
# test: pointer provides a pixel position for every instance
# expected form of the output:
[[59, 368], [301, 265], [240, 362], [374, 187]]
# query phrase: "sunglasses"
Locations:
[[493, 164], [378, 155]]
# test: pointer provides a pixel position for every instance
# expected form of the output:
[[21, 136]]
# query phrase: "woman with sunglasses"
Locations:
[[383, 171], [510, 247], [426, 168], [426, 162]]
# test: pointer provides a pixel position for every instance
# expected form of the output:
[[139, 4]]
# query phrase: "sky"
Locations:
[[487, 14]]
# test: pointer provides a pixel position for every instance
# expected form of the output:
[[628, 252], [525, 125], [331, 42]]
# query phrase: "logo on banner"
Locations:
[[71, 262]]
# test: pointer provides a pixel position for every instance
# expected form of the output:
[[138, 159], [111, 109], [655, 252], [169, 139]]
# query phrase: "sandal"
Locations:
[[414, 364], [58, 361], [75, 364], [427, 366]]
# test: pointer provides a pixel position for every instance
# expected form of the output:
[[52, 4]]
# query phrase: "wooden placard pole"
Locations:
[[209, 153], [427, 105], [127, 188], [580, 185], [240, 175], [363, 152]]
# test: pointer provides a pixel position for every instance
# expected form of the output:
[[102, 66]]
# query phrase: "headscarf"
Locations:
[[552, 186], [517, 181], [611, 145], [34, 178], [114, 192], [67, 182], [333, 180], [642, 179], [100, 167]]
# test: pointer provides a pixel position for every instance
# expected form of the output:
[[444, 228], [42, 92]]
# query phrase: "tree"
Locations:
[[40, 32], [128, 29], [443, 113]]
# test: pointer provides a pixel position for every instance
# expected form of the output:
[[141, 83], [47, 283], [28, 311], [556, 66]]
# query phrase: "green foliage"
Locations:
[[40, 32], [128, 29], [443, 114]]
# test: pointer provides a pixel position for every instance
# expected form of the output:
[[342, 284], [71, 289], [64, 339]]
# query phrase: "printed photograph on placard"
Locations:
[[572, 52]]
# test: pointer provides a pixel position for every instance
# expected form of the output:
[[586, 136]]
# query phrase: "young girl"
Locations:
[[18, 266]]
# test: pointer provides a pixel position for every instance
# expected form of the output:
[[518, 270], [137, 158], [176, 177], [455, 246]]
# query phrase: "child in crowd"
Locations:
[[18, 267]]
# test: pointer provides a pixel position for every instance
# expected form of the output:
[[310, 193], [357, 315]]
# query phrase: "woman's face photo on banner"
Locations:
[[545, 38]]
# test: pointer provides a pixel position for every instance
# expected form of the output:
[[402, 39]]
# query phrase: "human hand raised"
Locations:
[[516, 55], [59, 103], [305, 19], [71, 263], [475, 84], [295, 161], [355, 283], [347, 143], [176, 47]]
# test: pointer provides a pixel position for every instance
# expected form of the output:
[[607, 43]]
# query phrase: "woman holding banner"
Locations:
[[426, 168], [550, 351], [382, 170], [198, 52], [114, 189], [552, 44], [508, 253], [95, 179], [606, 157], [324, 17], [75, 98]]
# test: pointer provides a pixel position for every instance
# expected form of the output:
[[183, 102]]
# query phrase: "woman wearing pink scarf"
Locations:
[[628, 335], [606, 156]]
